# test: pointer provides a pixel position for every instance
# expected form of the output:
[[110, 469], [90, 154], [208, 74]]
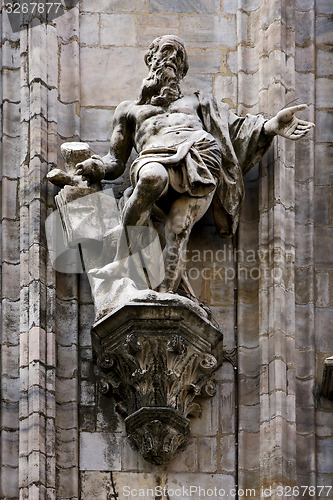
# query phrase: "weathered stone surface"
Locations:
[[208, 31], [118, 29], [324, 63], [99, 451], [181, 6], [324, 27], [89, 29], [113, 6], [109, 76]]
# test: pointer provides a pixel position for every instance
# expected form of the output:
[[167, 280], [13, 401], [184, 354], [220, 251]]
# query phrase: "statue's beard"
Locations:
[[159, 89]]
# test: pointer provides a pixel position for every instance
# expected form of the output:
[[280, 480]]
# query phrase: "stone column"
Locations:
[[277, 254], [37, 336], [307, 211], [9, 258]]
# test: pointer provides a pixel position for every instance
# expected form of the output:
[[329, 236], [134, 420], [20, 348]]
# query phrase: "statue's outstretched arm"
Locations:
[[286, 124]]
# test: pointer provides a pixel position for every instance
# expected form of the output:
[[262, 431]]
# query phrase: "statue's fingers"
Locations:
[[294, 109], [307, 124]]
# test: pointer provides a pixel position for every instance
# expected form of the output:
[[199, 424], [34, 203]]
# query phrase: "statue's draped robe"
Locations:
[[243, 143], [213, 162]]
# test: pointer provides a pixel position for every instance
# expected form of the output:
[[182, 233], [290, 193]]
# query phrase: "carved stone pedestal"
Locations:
[[156, 360]]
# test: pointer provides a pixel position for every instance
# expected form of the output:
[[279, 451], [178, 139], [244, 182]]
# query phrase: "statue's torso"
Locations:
[[156, 126]]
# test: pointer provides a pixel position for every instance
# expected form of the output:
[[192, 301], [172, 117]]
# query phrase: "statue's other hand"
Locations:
[[286, 124], [91, 170]]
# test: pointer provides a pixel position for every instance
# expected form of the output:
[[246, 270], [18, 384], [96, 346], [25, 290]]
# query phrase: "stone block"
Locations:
[[304, 285], [11, 85], [194, 82], [208, 31], [96, 485], [249, 446], [305, 363], [227, 450], [87, 393], [66, 390], [10, 233], [118, 29], [67, 448], [66, 322], [324, 7], [204, 61], [11, 119], [9, 482], [96, 124], [248, 88], [322, 319], [305, 58], [66, 368], [324, 159], [67, 416], [9, 448], [11, 281], [324, 27], [182, 6], [305, 420], [99, 451], [68, 24], [225, 88], [109, 77], [248, 390], [304, 22], [68, 121], [248, 59], [325, 453], [10, 57], [10, 360], [207, 454], [324, 63], [150, 27], [249, 418], [110, 6], [324, 124], [69, 86], [249, 5], [11, 156], [304, 453], [324, 93], [67, 481], [322, 289], [89, 29], [324, 424], [304, 5]]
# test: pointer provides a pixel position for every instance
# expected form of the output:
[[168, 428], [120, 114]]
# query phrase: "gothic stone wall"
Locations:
[[270, 288]]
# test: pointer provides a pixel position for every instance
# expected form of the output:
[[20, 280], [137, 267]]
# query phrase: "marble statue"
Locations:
[[192, 152], [154, 344]]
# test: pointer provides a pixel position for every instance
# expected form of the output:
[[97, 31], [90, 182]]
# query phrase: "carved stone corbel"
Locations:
[[156, 359]]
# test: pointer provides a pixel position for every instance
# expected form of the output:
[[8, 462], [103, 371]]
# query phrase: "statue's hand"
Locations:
[[286, 124], [91, 170]]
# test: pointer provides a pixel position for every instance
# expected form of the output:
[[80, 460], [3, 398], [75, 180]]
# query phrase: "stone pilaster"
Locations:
[[277, 255], [9, 259], [67, 314], [37, 280], [306, 212]]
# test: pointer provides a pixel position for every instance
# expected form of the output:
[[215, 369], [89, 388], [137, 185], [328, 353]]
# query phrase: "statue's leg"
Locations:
[[184, 213], [153, 179]]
